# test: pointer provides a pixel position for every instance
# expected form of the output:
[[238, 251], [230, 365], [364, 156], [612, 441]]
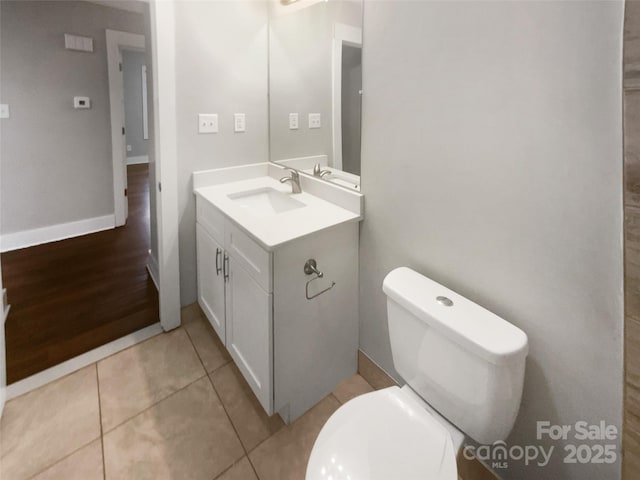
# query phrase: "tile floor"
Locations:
[[172, 407]]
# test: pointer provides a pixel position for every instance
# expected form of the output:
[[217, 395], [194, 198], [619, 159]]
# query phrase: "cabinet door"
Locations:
[[250, 332], [210, 258]]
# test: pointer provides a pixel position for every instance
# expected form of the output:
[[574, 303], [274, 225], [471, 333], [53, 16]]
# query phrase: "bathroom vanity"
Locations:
[[292, 331]]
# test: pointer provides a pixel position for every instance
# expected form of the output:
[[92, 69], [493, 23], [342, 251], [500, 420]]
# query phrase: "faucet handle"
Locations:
[[294, 179], [319, 172], [294, 172]]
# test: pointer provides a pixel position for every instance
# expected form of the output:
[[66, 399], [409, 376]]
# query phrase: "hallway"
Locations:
[[71, 296]]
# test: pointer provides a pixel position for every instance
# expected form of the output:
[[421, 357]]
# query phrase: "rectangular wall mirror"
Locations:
[[315, 87]]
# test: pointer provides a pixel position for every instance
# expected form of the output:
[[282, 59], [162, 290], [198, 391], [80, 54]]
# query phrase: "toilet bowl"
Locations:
[[464, 368], [388, 434]]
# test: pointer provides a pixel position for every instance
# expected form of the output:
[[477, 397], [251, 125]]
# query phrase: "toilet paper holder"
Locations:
[[310, 268]]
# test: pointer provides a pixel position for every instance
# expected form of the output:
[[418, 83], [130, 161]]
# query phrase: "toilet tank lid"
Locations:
[[464, 322]]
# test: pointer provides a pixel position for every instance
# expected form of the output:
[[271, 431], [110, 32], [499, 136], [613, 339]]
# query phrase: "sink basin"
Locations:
[[266, 201]]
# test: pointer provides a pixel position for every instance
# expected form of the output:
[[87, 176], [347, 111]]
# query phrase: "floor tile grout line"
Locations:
[[280, 430], [86, 366], [287, 425], [153, 405], [244, 449], [253, 467], [62, 458], [198, 353], [84, 445], [235, 430], [103, 432], [230, 360], [169, 395], [229, 468], [104, 466], [210, 375], [246, 452]]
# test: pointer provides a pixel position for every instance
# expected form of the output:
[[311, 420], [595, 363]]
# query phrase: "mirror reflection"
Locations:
[[315, 87]]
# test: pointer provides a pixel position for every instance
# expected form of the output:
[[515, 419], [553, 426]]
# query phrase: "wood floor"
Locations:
[[74, 295]]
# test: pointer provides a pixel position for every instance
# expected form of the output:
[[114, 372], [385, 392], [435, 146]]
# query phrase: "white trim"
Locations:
[[152, 268], [138, 159], [76, 363], [145, 110], [53, 233], [115, 42], [342, 35], [163, 46]]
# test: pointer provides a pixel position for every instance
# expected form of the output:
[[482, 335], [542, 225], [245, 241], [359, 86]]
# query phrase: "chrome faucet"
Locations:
[[294, 179], [318, 172]]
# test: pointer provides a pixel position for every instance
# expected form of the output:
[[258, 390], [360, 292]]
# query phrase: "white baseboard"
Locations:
[[138, 159], [152, 268], [52, 233], [76, 363]]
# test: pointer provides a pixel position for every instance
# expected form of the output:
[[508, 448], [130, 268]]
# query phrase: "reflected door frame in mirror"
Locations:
[[342, 35]]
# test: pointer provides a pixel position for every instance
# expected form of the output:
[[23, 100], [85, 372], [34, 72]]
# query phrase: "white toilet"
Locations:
[[464, 368]]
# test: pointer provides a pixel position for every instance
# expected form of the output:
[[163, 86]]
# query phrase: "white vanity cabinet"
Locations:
[[234, 293], [293, 351]]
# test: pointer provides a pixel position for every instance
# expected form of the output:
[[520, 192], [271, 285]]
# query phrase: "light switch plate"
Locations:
[[208, 123], [293, 121], [239, 122], [4, 110], [315, 120]]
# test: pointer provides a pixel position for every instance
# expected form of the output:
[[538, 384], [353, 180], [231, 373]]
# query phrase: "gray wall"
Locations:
[[492, 164], [132, 63], [221, 67], [56, 161], [300, 76]]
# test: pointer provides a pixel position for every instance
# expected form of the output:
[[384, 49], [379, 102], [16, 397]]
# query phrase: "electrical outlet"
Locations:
[[4, 110], [208, 123], [315, 120], [239, 122]]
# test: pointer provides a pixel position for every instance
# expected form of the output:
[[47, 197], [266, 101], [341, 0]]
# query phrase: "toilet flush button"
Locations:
[[444, 301]]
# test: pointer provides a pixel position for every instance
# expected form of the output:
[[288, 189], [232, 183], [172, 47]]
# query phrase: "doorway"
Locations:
[[74, 281]]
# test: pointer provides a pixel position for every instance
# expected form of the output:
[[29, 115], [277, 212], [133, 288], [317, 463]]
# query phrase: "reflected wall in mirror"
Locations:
[[315, 86]]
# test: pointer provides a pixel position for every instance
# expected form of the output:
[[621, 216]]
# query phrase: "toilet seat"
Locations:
[[387, 434]]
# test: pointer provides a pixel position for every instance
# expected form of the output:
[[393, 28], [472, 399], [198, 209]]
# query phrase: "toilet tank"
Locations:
[[463, 360]]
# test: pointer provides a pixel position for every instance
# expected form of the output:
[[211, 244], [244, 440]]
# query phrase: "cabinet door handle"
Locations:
[[218, 267], [226, 267]]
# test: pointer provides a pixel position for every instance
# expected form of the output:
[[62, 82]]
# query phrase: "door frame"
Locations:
[[163, 70], [116, 41], [342, 35], [162, 44]]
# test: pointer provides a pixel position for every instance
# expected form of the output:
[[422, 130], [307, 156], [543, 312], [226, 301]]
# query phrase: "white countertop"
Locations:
[[274, 230]]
